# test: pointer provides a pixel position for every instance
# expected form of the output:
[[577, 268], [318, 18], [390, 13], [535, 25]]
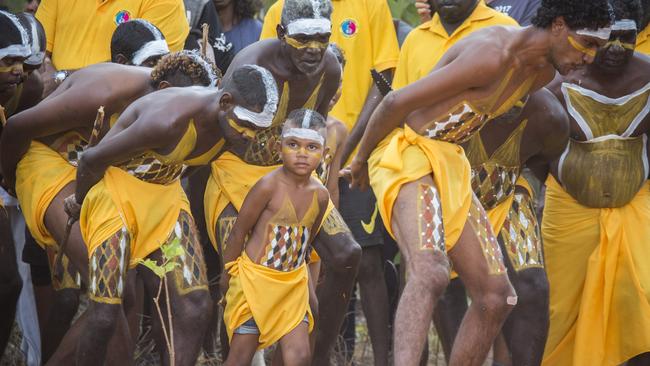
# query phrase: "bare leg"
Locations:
[[66, 283], [527, 326], [10, 282], [188, 295], [243, 347], [417, 227], [222, 231], [340, 254], [374, 300], [295, 346], [449, 313], [479, 262], [108, 264]]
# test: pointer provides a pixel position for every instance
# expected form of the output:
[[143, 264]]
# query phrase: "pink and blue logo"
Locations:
[[122, 16], [349, 27]]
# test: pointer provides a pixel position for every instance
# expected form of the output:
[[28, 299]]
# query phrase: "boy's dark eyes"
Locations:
[[312, 147]]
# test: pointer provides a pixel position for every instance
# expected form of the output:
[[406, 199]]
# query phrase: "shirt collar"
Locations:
[[481, 12]]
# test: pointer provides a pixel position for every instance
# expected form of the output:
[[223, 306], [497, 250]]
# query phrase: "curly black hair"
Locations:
[[627, 9], [185, 68], [592, 14], [247, 8]]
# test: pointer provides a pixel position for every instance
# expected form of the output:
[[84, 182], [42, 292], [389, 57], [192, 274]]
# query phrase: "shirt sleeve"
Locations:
[[169, 16], [271, 20], [46, 14], [400, 79], [530, 12], [385, 51]]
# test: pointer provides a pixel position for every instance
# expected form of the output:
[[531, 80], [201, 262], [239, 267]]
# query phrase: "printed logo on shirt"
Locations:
[[349, 27], [505, 9], [122, 16]]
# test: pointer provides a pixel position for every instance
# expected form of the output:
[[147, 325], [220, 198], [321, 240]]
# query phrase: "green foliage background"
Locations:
[[14, 5], [401, 9]]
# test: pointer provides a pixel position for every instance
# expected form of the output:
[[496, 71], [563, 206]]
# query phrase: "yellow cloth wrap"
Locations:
[[148, 211], [230, 181], [597, 266], [276, 300], [40, 176], [403, 157]]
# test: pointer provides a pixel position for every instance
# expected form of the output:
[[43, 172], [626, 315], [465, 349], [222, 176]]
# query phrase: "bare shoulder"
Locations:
[[337, 128], [547, 115], [321, 191], [555, 86], [332, 68], [258, 53]]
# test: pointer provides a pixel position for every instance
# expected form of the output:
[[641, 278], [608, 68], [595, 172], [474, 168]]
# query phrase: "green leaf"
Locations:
[[170, 266], [153, 266], [172, 250]]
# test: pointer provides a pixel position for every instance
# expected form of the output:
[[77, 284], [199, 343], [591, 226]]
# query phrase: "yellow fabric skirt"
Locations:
[[148, 211], [403, 157], [276, 300], [230, 181], [597, 265], [40, 175]]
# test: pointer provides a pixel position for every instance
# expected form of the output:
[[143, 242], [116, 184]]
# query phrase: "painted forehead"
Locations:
[[310, 26], [22, 49]]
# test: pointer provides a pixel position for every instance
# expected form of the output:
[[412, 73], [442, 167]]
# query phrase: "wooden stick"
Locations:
[[97, 127], [204, 41], [3, 117]]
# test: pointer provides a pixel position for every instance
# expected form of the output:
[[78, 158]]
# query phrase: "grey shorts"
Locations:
[[250, 327]]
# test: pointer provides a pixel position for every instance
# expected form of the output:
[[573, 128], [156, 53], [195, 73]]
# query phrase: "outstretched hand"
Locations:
[[356, 174]]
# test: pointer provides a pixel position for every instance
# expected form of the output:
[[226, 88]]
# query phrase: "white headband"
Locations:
[[265, 117], [150, 49], [309, 26], [20, 50], [602, 33], [305, 134], [201, 61], [154, 31], [37, 55], [623, 25]]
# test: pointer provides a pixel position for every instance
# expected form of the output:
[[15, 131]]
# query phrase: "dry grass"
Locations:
[[145, 354]]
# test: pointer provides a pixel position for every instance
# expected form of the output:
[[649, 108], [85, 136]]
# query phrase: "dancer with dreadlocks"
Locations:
[[595, 225], [41, 147], [422, 178]]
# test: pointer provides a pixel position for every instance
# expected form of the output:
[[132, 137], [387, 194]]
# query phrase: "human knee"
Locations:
[[347, 255], [532, 287], [297, 356], [431, 276], [499, 299]]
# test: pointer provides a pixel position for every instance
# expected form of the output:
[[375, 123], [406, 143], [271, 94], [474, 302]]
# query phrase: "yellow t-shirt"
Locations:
[[365, 32], [79, 32], [426, 44], [643, 41]]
